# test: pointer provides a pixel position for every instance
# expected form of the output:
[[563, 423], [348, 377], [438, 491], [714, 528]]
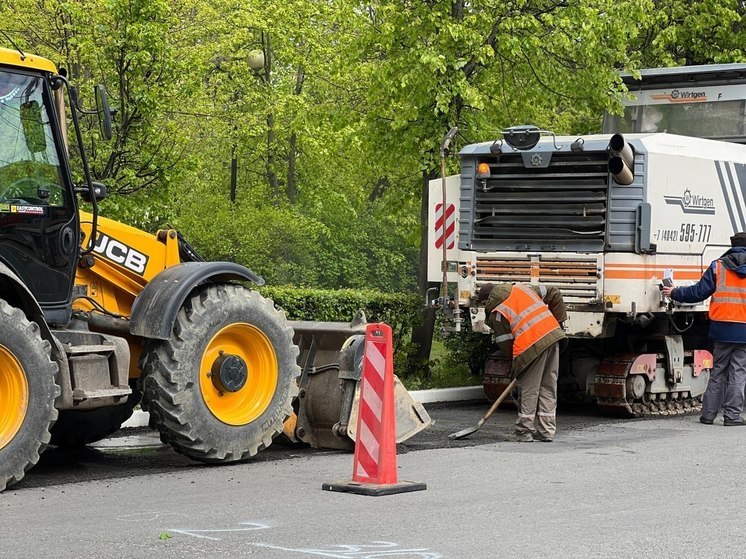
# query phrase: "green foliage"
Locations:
[[457, 359], [398, 310], [443, 373], [333, 134], [287, 246], [684, 33], [469, 349]]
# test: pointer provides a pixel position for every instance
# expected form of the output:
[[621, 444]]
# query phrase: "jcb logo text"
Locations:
[[119, 253]]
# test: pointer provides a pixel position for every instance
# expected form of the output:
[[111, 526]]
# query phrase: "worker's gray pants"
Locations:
[[539, 394], [727, 381]]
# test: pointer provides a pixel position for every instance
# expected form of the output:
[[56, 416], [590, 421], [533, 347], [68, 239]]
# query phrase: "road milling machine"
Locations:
[[96, 315], [607, 219]]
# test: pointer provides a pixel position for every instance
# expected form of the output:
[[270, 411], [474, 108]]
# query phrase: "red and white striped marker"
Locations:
[[445, 230], [374, 466]]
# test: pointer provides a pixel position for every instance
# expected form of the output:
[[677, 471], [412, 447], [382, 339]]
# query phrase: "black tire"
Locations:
[[76, 428], [26, 371], [183, 401]]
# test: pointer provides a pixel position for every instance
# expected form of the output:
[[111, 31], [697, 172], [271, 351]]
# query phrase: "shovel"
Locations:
[[466, 432]]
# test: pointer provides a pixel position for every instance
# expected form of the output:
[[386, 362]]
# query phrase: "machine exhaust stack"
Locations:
[[621, 160]]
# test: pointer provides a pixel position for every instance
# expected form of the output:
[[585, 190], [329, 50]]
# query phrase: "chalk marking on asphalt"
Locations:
[[148, 515], [252, 527], [374, 550]]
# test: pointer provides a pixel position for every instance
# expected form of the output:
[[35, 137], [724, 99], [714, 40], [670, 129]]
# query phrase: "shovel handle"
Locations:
[[499, 401]]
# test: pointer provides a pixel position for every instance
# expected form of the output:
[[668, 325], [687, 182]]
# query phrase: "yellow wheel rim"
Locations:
[[14, 394], [251, 345]]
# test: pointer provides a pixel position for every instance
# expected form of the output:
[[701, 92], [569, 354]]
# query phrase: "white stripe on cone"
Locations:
[[370, 443], [373, 400], [376, 359]]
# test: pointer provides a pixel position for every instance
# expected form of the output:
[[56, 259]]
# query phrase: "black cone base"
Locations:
[[373, 489]]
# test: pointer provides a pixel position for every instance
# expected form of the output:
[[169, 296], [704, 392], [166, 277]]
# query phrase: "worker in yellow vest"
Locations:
[[526, 322], [724, 281]]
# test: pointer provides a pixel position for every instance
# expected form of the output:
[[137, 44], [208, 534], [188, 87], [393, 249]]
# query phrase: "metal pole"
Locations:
[[443, 149]]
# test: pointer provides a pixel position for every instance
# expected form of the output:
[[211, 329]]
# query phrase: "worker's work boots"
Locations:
[[542, 438], [523, 437]]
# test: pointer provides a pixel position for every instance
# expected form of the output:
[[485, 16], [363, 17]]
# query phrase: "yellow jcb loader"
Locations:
[[96, 316]]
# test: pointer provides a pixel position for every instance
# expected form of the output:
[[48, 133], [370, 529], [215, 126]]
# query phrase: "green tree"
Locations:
[[680, 33], [287, 140]]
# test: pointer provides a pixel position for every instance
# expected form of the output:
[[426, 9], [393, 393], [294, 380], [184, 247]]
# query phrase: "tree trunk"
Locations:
[[270, 172], [234, 173], [292, 188], [270, 169]]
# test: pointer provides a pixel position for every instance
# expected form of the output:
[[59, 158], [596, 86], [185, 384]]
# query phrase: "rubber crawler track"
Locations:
[[611, 393]]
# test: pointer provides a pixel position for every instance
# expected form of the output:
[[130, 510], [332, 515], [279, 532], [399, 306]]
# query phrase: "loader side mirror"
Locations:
[[104, 112], [99, 191], [33, 127]]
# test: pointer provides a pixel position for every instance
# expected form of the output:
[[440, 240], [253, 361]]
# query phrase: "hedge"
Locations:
[[399, 310]]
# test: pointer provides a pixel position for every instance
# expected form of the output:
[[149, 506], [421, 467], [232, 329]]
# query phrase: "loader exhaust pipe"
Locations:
[[621, 160]]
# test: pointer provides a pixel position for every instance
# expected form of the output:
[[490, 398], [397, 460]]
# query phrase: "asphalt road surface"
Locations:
[[605, 488], [138, 452]]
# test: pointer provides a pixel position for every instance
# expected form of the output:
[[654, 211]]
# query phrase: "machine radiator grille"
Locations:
[[562, 203], [577, 278]]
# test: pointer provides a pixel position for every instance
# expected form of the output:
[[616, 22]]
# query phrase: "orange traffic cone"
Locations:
[[374, 465]]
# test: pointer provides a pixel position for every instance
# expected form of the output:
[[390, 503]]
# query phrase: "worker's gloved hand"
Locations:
[[667, 287], [516, 395]]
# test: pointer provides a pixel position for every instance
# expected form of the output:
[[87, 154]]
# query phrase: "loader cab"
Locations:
[[699, 101], [39, 229]]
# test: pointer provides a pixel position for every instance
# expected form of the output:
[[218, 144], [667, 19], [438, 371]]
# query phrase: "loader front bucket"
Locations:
[[331, 355], [411, 416]]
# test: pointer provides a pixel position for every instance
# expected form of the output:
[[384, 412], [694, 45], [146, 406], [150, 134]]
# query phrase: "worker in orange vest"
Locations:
[[526, 322], [724, 281]]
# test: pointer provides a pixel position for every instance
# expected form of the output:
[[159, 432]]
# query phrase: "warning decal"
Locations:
[[445, 234]]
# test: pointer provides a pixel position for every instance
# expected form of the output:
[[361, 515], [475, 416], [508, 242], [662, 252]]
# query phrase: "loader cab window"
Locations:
[[30, 168]]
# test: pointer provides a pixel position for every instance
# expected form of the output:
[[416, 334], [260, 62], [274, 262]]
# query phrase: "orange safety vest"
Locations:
[[728, 303], [529, 317]]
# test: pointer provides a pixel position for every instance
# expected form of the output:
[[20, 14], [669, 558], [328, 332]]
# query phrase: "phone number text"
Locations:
[[687, 233]]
